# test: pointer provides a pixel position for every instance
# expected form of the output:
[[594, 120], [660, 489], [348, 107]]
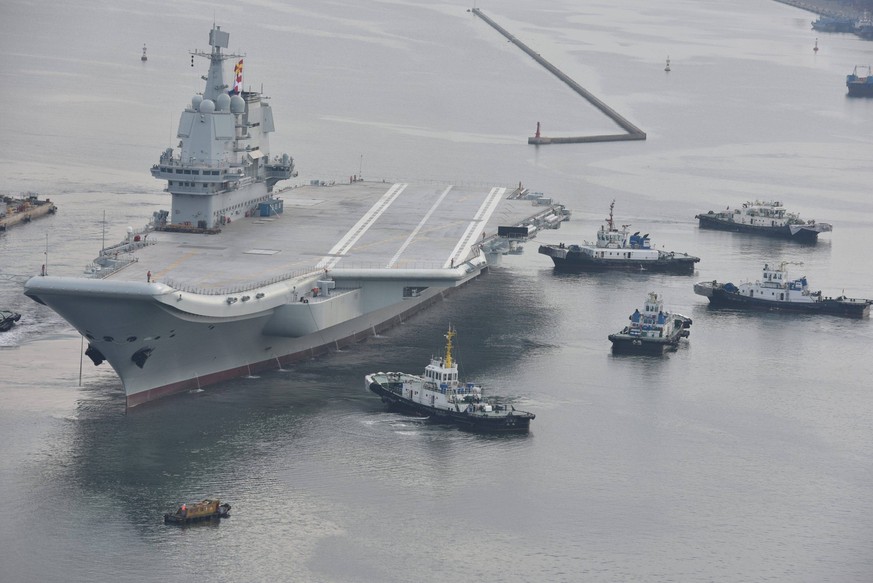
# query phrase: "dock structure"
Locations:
[[633, 132], [14, 211]]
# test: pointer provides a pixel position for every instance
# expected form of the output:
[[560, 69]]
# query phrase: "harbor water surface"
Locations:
[[745, 455]]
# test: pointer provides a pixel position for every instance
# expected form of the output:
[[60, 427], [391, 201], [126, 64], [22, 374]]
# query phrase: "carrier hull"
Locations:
[[237, 277]]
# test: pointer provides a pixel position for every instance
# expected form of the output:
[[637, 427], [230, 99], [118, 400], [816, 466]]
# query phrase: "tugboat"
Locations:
[[768, 218], [860, 83], [444, 399], [617, 249], [7, 320], [776, 291], [652, 330], [203, 511]]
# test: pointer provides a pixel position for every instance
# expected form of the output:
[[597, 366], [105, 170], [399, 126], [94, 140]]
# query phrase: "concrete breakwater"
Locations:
[[633, 132]]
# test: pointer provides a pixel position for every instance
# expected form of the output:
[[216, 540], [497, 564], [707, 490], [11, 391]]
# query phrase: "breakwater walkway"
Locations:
[[633, 132]]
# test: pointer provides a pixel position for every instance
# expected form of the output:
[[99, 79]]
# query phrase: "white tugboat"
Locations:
[[441, 396], [775, 291], [652, 330], [618, 249], [768, 218]]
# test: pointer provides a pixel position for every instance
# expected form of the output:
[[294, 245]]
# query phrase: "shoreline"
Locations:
[[834, 8]]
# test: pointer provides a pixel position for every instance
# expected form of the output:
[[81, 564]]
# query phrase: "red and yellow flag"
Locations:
[[237, 73]]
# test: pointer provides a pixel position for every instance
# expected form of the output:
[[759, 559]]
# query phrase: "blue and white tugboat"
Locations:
[[768, 218], [444, 399], [652, 330], [618, 249], [776, 291]]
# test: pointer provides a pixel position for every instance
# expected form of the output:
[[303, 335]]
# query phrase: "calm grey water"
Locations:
[[747, 455]]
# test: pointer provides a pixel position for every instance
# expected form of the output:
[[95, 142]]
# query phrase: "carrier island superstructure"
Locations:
[[238, 277]]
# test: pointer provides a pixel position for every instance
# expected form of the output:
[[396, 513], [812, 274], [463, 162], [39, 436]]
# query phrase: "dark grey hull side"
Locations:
[[512, 422], [565, 260], [719, 298], [624, 343], [802, 236]]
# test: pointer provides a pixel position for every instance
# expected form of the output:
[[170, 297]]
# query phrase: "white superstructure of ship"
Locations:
[[769, 218], [238, 277], [619, 249]]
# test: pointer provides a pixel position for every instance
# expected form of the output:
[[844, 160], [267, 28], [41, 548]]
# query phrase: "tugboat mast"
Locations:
[[449, 335]]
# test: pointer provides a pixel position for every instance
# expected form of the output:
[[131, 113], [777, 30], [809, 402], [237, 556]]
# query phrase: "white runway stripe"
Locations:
[[418, 228], [356, 232], [476, 226]]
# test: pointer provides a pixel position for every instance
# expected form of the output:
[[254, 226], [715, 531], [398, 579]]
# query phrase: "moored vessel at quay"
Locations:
[[238, 277], [767, 218], [651, 331], [618, 249], [23, 209], [826, 23], [443, 398], [775, 291]]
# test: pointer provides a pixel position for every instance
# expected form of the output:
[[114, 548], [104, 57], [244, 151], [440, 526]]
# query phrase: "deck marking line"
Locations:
[[362, 226], [477, 225], [418, 227]]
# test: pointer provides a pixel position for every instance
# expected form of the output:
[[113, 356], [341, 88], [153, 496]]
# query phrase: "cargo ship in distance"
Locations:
[[238, 277], [775, 291], [767, 218], [860, 82], [618, 249]]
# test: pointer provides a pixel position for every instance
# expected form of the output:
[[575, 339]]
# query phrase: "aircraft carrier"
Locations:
[[238, 277]]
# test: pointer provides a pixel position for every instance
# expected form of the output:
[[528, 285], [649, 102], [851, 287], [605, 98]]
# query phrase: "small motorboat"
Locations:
[[203, 511], [8, 319]]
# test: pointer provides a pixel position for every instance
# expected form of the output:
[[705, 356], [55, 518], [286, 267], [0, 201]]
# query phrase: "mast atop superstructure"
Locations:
[[449, 335], [218, 39]]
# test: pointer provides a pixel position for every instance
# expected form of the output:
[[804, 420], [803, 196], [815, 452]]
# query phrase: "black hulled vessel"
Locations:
[[777, 292], [618, 249], [439, 395]]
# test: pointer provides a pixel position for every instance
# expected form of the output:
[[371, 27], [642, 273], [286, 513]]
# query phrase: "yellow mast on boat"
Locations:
[[449, 335]]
